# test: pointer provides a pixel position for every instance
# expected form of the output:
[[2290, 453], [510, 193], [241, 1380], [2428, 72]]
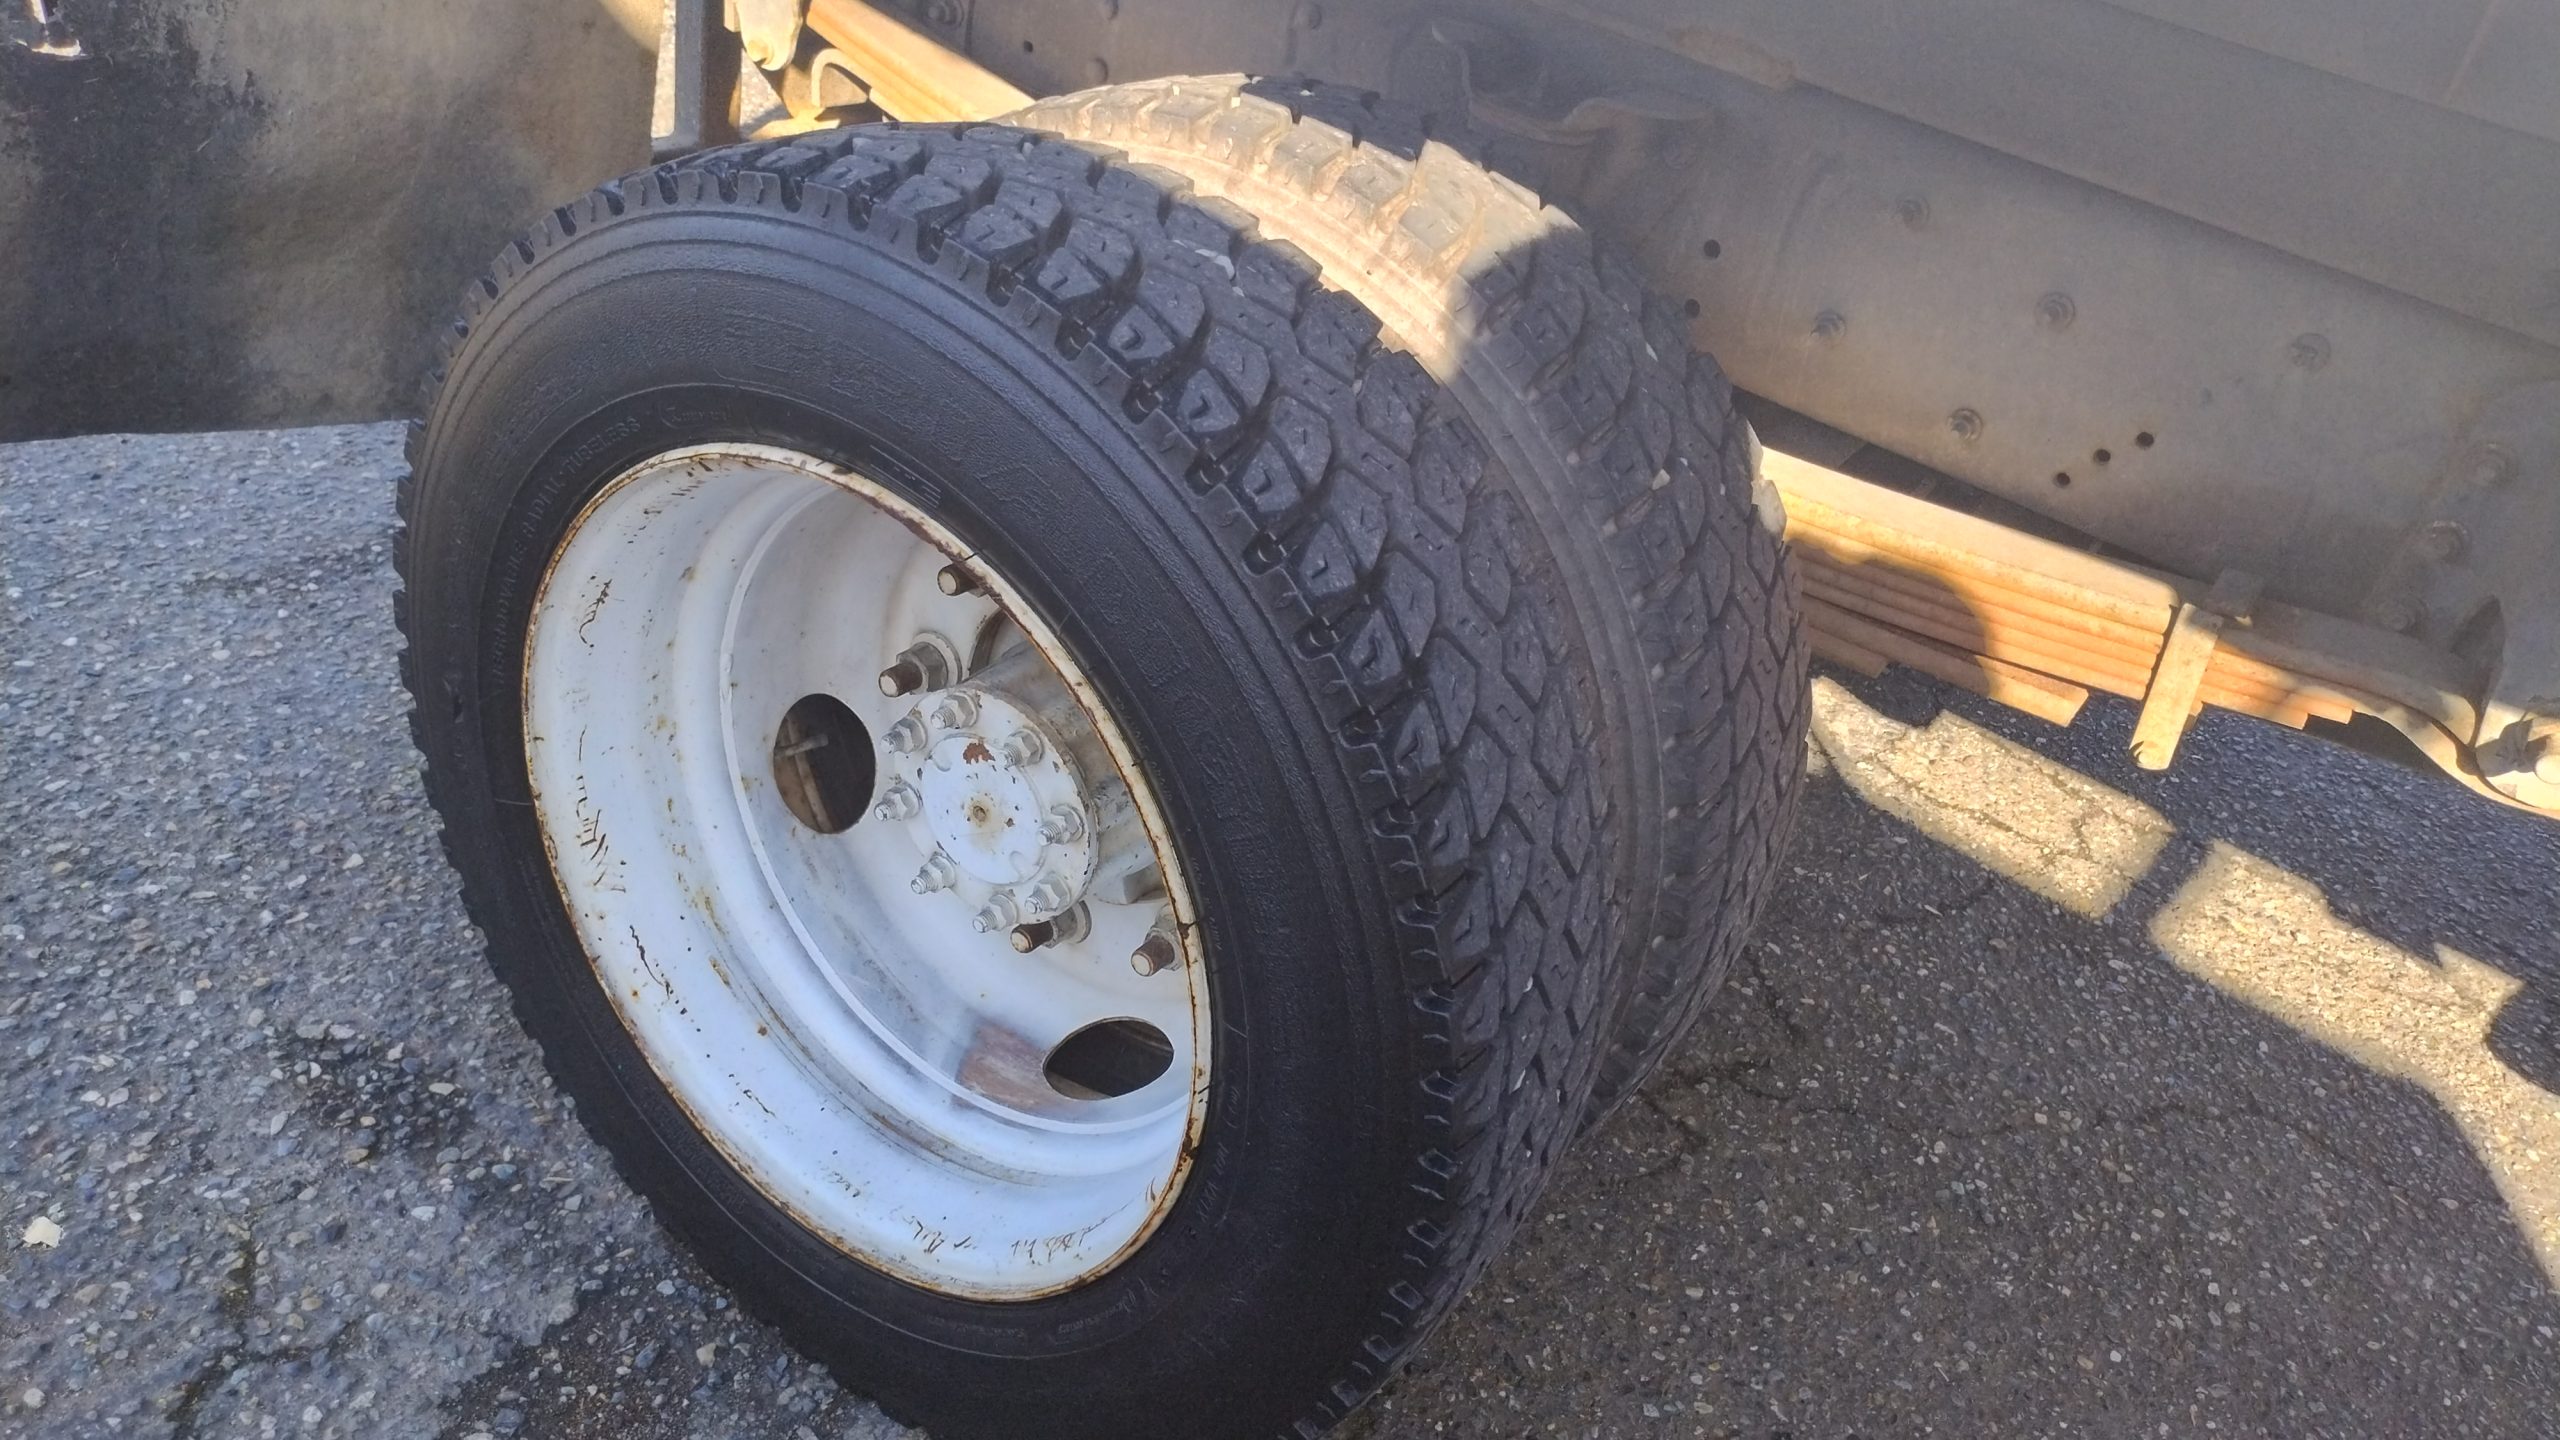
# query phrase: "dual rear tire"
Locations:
[[1069, 807]]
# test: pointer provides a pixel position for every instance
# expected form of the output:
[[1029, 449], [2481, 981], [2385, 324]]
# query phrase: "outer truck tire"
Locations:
[[802, 515]]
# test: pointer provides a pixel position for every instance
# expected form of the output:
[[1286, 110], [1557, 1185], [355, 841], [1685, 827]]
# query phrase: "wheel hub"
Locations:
[[1009, 798], [984, 811], [995, 791]]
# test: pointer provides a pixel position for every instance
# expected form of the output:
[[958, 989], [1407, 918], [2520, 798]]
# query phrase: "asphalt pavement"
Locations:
[[2055, 1098]]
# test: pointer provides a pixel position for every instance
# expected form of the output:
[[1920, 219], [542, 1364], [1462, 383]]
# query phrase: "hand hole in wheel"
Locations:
[[823, 765], [1108, 1059]]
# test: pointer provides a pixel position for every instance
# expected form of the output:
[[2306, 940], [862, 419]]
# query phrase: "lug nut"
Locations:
[[907, 736], [999, 913], [952, 580], [1021, 748], [1030, 937], [898, 802], [1160, 951], [1050, 894], [956, 710], [1063, 825], [925, 665], [939, 873]]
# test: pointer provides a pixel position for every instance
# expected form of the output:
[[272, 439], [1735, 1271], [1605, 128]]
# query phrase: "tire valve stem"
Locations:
[[952, 580], [1160, 951]]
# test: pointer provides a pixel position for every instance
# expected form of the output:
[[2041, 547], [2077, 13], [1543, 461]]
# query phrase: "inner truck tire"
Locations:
[[1037, 784], [1629, 455]]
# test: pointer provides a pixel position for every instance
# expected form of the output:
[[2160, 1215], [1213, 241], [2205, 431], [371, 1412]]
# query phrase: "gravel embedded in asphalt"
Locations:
[[2055, 1097]]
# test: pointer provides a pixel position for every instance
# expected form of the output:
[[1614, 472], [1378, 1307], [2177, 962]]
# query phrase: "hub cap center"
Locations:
[[984, 811]]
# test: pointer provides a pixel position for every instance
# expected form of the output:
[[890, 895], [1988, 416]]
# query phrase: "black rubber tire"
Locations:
[[1629, 452], [1322, 617]]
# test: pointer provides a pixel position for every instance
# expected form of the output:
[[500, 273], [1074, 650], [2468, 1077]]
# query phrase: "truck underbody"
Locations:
[[2221, 345]]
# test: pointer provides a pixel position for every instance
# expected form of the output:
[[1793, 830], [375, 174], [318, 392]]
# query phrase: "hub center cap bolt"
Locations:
[[999, 913], [939, 873], [1063, 825], [1050, 895], [956, 710], [907, 735]]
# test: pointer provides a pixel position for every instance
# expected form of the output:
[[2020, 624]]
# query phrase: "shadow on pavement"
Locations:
[[2058, 1097]]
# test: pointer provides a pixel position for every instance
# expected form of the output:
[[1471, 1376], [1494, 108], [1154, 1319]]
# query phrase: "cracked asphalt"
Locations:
[[2054, 1099]]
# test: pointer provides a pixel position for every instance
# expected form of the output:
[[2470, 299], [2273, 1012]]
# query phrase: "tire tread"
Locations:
[[1561, 340]]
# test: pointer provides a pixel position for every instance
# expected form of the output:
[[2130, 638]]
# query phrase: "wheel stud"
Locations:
[[1160, 951], [1070, 926], [1021, 748], [905, 677], [952, 580], [999, 913], [925, 665], [939, 873], [899, 802], [907, 736], [955, 710], [1063, 825]]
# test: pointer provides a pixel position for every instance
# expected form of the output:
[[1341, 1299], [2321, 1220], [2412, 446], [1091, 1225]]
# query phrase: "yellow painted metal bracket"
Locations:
[[2174, 697], [911, 76]]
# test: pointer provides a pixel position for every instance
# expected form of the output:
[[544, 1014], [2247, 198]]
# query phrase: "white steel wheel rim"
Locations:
[[892, 1077]]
